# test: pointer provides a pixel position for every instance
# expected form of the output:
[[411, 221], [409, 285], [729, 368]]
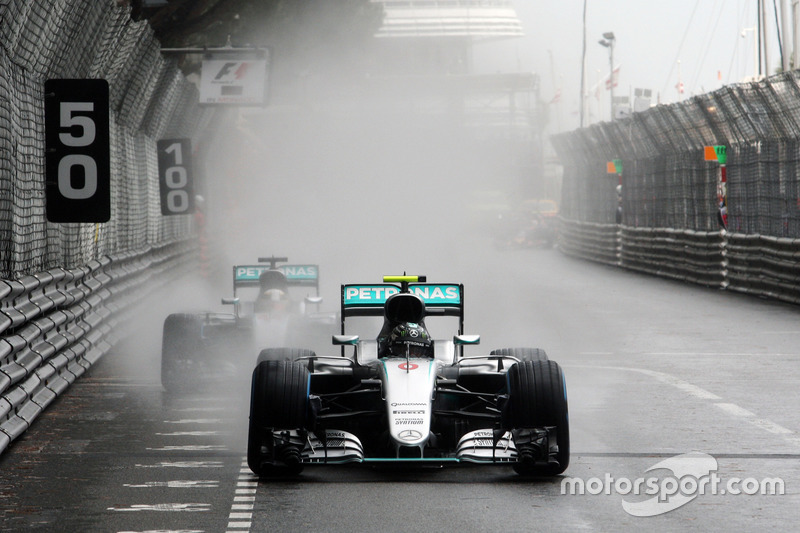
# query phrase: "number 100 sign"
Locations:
[[175, 176], [77, 157]]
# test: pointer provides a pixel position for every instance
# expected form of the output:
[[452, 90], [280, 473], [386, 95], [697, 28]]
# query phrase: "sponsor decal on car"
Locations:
[[438, 294], [408, 366], [292, 272], [369, 295], [298, 272], [409, 422], [249, 273], [409, 435]]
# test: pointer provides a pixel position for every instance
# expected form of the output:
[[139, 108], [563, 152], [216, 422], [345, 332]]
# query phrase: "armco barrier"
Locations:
[[56, 324], [765, 266], [589, 240], [693, 256], [754, 264]]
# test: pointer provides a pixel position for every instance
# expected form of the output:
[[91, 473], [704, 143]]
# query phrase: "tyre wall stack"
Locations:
[[759, 265], [57, 324]]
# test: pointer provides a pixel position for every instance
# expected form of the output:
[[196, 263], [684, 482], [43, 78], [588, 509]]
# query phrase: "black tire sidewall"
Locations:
[[181, 340], [537, 397], [282, 354], [523, 354], [279, 400]]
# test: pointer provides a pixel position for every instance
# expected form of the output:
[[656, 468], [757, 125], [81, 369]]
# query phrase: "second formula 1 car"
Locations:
[[273, 305]]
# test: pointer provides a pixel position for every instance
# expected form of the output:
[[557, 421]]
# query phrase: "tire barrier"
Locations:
[[590, 240], [754, 264], [693, 256], [764, 266], [55, 325]]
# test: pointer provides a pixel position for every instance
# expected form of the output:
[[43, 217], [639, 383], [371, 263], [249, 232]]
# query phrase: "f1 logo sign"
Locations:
[[239, 73], [234, 81], [224, 70], [77, 157], [175, 176]]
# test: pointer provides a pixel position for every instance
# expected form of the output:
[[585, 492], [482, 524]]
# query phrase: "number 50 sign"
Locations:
[[175, 176], [77, 159]]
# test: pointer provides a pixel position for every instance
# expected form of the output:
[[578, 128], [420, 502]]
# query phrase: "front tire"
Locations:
[[523, 354], [537, 398], [278, 400]]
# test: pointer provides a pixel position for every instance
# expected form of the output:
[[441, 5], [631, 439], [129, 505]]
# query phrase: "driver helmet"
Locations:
[[274, 295], [412, 339]]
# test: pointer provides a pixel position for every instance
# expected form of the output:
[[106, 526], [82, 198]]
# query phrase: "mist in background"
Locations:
[[364, 181], [705, 36], [354, 167], [370, 178]]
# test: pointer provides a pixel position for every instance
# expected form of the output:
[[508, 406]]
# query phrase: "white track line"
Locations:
[[240, 519], [702, 394]]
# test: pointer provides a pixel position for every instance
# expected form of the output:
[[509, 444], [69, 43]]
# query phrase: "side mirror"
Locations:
[[230, 301], [345, 340], [461, 340], [314, 300]]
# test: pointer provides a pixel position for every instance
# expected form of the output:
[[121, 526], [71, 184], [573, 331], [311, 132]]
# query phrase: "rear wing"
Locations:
[[296, 275], [441, 299]]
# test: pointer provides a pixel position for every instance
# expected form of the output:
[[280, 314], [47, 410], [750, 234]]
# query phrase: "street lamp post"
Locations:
[[755, 50], [608, 41]]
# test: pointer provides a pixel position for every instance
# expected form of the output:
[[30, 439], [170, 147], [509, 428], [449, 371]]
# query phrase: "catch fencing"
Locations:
[[665, 209], [65, 289], [149, 99]]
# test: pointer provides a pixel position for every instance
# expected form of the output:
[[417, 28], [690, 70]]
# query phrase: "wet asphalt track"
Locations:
[[654, 369]]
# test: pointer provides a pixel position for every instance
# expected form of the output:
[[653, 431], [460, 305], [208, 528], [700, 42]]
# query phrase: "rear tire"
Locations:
[[537, 397], [279, 400], [181, 347], [523, 354]]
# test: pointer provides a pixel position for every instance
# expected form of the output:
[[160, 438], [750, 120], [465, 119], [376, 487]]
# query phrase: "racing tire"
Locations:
[[181, 347], [282, 354], [278, 400], [537, 397], [523, 354]]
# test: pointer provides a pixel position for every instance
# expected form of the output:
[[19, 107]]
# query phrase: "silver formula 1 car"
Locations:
[[273, 304], [405, 396]]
